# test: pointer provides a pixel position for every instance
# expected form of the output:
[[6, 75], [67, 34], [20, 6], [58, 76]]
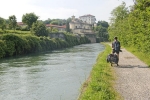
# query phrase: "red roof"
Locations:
[[87, 15], [50, 25], [20, 23]]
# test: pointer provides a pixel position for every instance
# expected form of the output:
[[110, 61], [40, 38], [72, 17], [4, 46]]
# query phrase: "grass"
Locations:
[[143, 57], [100, 84]]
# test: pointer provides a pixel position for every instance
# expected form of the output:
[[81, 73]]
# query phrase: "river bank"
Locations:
[[14, 44], [100, 84]]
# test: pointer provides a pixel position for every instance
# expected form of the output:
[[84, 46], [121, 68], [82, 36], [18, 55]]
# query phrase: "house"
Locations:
[[21, 24], [59, 28], [83, 27], [90, 19]]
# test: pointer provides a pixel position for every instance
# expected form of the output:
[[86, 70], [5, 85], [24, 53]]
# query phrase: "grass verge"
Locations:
[[143, 57], [100, 84]]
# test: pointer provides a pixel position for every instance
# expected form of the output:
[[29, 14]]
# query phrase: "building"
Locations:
[[21, 24], [90, 19], [59, 28], [83, 28]]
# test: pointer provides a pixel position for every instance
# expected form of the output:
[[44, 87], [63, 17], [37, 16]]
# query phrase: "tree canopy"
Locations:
[[39, 29], [102, 30], [2, 23], [132, 26], [29, 19], [13, 21]]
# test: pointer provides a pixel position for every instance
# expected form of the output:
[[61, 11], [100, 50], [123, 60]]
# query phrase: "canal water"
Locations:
[[56, 75]]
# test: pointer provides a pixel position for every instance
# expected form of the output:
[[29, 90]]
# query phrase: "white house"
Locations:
[[83, 28], [90, 19]]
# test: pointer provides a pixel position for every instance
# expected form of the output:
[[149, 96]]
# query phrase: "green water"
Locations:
[[56, 75]]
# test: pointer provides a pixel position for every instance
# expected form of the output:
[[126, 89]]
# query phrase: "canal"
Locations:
[[56, 75]]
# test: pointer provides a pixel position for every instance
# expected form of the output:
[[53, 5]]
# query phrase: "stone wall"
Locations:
[[91, 37], [57, 35]]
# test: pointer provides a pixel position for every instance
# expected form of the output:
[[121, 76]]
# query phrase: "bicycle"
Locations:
[[113, 58]]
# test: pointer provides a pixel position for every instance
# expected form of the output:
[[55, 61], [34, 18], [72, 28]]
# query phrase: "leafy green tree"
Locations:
[[101, 30], [67, 25], [2, 23], [48, 21], [39, 29], [12, 22], [54, 30], [103, 23], [54, 23], [132, 27], [29, 19], [119, 13]]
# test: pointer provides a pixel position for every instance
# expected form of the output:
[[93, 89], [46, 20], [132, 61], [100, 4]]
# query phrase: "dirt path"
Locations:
[[133, 77]]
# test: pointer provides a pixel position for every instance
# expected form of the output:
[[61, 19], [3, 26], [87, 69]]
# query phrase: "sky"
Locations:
[[61, 9]]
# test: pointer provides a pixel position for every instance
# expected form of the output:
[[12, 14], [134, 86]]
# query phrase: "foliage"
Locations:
[[132, 27], [39, 29], [54, 29], [54, 23], [24, 28], [12, 22], [59, 22], [29, 19], [102, 30], [68, 27], [100, 84], [22, 43], [103, 24], [2, 23], [48, 21]]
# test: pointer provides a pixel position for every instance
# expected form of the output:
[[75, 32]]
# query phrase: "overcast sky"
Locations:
[[62, 9]]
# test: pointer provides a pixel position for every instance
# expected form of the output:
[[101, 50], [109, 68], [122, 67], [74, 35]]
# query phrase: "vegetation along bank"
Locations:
[[99, 85], [131, 25], [12, 44]]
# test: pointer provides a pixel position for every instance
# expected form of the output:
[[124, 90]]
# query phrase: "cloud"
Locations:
[[59, 9], [20, 7], [52, 13], [104, 11]]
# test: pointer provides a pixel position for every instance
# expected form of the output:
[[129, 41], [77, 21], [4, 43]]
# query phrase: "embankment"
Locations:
[[99, 85], [13, 44]]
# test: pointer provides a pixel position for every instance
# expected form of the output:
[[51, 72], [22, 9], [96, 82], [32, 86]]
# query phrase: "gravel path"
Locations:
[[133, 77]]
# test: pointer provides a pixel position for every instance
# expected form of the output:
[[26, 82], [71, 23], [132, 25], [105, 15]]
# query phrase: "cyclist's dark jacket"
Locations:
[[116, 45]]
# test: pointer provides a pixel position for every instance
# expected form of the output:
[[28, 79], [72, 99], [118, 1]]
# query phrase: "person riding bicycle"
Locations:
[[116, 47]]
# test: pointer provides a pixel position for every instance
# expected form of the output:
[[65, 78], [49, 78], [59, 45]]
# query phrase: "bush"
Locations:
[[24, 28], [18, 44], [2, 49], [39, 29]]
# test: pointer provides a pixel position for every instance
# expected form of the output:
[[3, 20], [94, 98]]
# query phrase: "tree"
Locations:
[[67, 25], [2, 23], [12, 22], [39, 29], [48, 21], [54, 23], [29, 19], [103, 23], [102, 30], [119, 13]]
